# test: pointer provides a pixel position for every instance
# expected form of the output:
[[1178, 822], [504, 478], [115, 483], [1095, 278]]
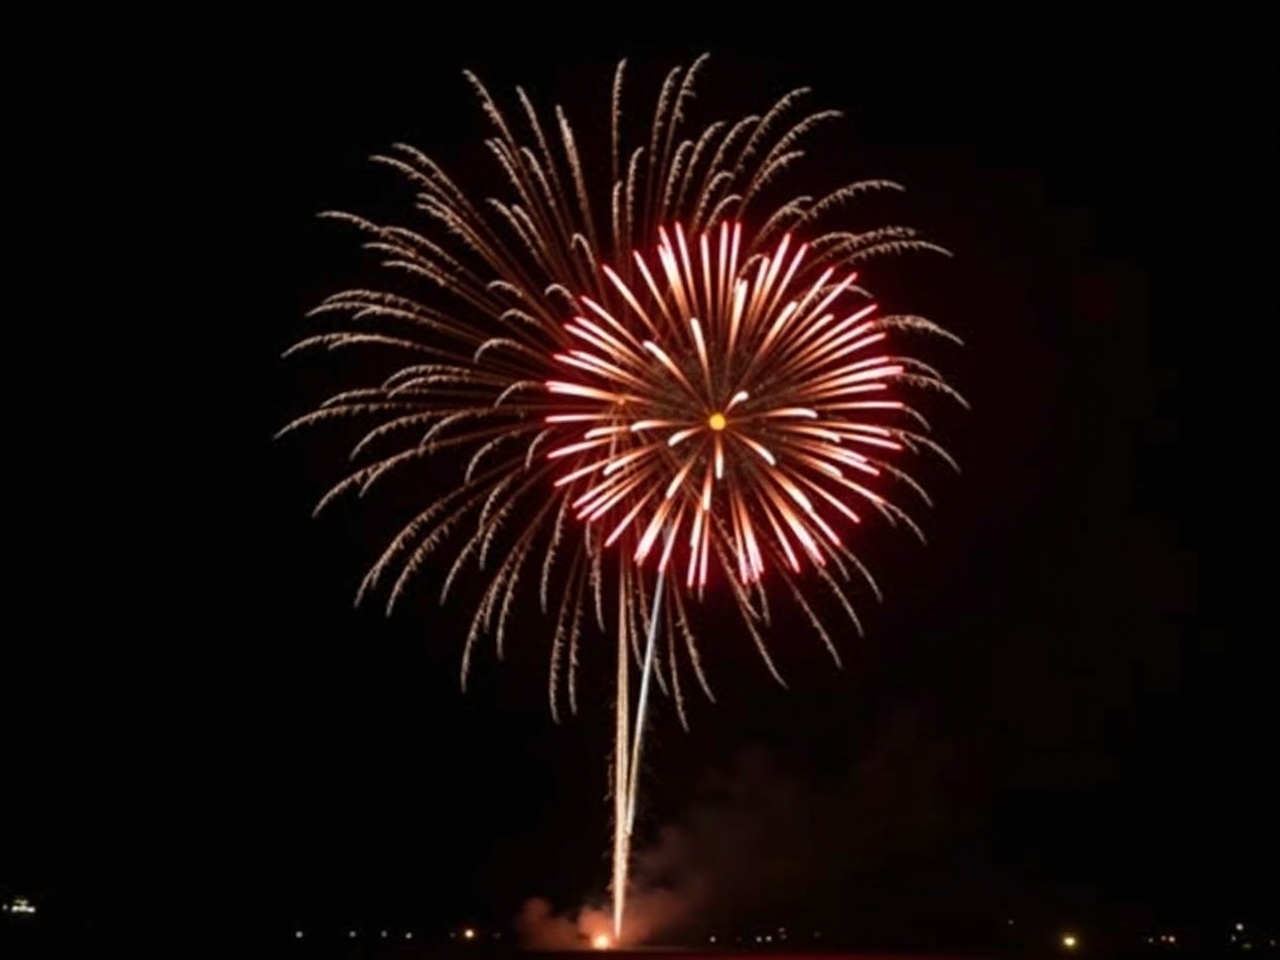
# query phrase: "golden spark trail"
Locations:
[[625, 811], [643, 704], [621, 781], [627, 763]]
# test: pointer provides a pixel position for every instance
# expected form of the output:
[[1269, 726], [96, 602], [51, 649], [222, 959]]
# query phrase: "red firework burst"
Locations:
[[735, 408]]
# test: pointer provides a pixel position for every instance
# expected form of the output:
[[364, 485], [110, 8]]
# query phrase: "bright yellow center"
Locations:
[[717, 422]]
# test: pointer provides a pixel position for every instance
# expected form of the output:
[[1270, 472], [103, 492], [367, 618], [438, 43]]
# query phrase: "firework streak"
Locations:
[[658, 383]]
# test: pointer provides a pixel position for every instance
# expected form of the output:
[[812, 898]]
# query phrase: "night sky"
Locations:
[[1066, 706]]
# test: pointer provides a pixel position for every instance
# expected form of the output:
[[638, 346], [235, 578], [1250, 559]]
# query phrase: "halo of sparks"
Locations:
[[672, 371], [741, 425]]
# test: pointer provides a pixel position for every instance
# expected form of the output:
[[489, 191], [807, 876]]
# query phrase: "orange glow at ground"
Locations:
[[601, 941]]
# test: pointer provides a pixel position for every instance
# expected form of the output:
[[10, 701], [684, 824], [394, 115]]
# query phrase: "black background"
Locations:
[[193, 713]]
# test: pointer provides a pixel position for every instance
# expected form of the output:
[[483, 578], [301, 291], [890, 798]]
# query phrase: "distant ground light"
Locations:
[[20, 905], [1241, 937]]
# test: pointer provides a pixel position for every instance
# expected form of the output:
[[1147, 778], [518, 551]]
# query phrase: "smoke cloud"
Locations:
[[760, 839]]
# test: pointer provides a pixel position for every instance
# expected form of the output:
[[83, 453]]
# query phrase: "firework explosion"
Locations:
[[690, 381], [771, 408]]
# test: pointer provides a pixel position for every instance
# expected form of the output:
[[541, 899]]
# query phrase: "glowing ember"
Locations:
[[601, 941]]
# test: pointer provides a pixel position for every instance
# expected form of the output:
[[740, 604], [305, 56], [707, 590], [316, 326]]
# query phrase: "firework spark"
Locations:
[[739, 430], [674, 371]]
